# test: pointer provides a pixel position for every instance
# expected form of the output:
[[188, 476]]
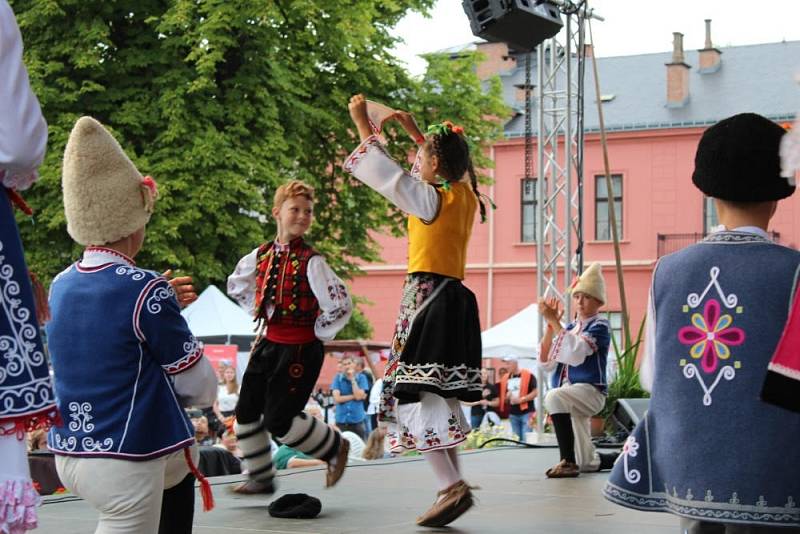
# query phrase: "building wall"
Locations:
[[658, 198]]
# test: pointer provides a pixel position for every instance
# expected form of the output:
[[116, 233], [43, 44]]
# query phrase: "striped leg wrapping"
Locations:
[[313, 437], [256, 451]]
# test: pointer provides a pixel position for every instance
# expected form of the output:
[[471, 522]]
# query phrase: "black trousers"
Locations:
[[278, 382], [177, 508]]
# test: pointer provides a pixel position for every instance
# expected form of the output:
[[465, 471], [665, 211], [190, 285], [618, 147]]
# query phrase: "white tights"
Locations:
[[445, 465]]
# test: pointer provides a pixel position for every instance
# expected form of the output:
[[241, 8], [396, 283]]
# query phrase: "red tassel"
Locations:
[[40, 300], [18, 201], [205, 487]]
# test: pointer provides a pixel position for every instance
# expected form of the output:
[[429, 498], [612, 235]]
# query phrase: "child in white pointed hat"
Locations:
[[127, 449], [577, 355]]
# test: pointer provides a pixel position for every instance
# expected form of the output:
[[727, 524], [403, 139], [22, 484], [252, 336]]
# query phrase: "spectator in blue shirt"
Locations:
[[349, 391]]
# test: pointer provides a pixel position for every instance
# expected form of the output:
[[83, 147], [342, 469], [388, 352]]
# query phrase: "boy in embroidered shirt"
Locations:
[[577, 354], [299, 302], [708, 449]]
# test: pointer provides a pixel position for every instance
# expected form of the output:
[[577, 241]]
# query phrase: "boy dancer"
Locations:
[[578, 355], [299, 302], [709, 450], [123, 357]]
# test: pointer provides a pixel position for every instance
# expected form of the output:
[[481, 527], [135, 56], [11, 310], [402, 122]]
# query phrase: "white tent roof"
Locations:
[[214, 314], [513, 338]]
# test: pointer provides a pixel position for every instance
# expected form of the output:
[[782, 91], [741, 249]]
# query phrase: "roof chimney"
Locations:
[[677, 74], [710, 57]]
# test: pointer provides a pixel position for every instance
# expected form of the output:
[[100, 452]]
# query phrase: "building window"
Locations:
[[602, 226], [528, 210], [615, 321], [710, 219]]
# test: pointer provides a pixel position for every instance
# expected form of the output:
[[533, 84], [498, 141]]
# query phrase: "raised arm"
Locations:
[[370, 164]]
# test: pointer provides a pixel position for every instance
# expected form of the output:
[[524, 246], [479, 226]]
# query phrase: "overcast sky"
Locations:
[[630, 26]]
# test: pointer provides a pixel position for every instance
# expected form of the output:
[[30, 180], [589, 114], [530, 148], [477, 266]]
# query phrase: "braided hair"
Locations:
[[452, 151]]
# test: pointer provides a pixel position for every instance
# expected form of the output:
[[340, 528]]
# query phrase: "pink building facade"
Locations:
[[652, 140]]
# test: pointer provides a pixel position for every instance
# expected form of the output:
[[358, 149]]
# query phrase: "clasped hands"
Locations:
[[358, 112], [551, 311]]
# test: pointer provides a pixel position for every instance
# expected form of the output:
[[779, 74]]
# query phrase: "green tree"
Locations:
[[221, 101]]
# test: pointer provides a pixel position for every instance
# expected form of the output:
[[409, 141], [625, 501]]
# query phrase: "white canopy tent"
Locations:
[[515, 337], [215, 319], [213, 315]]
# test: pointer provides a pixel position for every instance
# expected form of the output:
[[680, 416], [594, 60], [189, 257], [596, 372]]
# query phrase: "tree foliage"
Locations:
[[221, 101]]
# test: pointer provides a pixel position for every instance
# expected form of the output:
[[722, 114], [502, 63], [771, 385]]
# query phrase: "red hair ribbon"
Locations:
[[149, 183]]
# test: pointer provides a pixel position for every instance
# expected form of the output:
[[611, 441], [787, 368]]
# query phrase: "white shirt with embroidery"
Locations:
[[370, 163], [571, 347], [335, 307], [23, 130]]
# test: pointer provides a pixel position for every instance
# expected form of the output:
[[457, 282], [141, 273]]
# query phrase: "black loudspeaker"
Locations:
[[628, 412], [522, 24]]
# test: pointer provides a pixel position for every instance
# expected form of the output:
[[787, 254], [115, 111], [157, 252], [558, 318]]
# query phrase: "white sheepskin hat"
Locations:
[[105, 197], [592, 283]]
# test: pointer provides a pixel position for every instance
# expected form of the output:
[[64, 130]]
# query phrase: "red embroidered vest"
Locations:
[[281, 280]]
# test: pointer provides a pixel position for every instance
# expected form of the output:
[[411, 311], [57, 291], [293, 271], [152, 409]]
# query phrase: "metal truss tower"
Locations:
[[559, 184]]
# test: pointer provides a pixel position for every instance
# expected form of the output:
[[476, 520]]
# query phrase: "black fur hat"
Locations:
[[737, 159], [296, 506]]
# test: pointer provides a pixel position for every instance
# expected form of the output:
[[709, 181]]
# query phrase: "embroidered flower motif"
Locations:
[[711, 335], [431, 438], [454, 430]]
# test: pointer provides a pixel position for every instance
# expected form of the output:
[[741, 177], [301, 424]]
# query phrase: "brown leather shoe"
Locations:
[[335, 472], [563, 469], [451, 503], [254, 487]]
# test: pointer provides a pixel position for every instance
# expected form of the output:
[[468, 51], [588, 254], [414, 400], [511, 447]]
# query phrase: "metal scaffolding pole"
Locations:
[[559, 184]]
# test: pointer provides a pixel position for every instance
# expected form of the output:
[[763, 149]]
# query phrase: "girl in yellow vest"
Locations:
[[435, 357]]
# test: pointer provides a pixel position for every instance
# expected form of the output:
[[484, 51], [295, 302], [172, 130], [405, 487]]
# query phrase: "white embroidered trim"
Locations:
[[18, 350], [360, 152], [731, 510], [694, 300], [80, 414], [630, 449], [690, 371], [192, 351], [439, 375], [785, 371]]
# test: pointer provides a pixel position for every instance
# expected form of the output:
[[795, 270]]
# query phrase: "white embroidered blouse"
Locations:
[[573, 347], [23, 130]]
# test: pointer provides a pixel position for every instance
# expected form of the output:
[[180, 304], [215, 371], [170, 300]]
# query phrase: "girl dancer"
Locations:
[[435, 358]]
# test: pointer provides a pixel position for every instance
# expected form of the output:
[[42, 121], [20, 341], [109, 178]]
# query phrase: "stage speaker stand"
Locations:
[[522, 24], [628, 412]]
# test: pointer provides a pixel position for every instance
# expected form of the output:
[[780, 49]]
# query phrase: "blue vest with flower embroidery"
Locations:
[[115, 337], [709, 448]]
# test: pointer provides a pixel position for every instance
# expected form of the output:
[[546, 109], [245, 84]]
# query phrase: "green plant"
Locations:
[[626, 383], [482, 437]]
